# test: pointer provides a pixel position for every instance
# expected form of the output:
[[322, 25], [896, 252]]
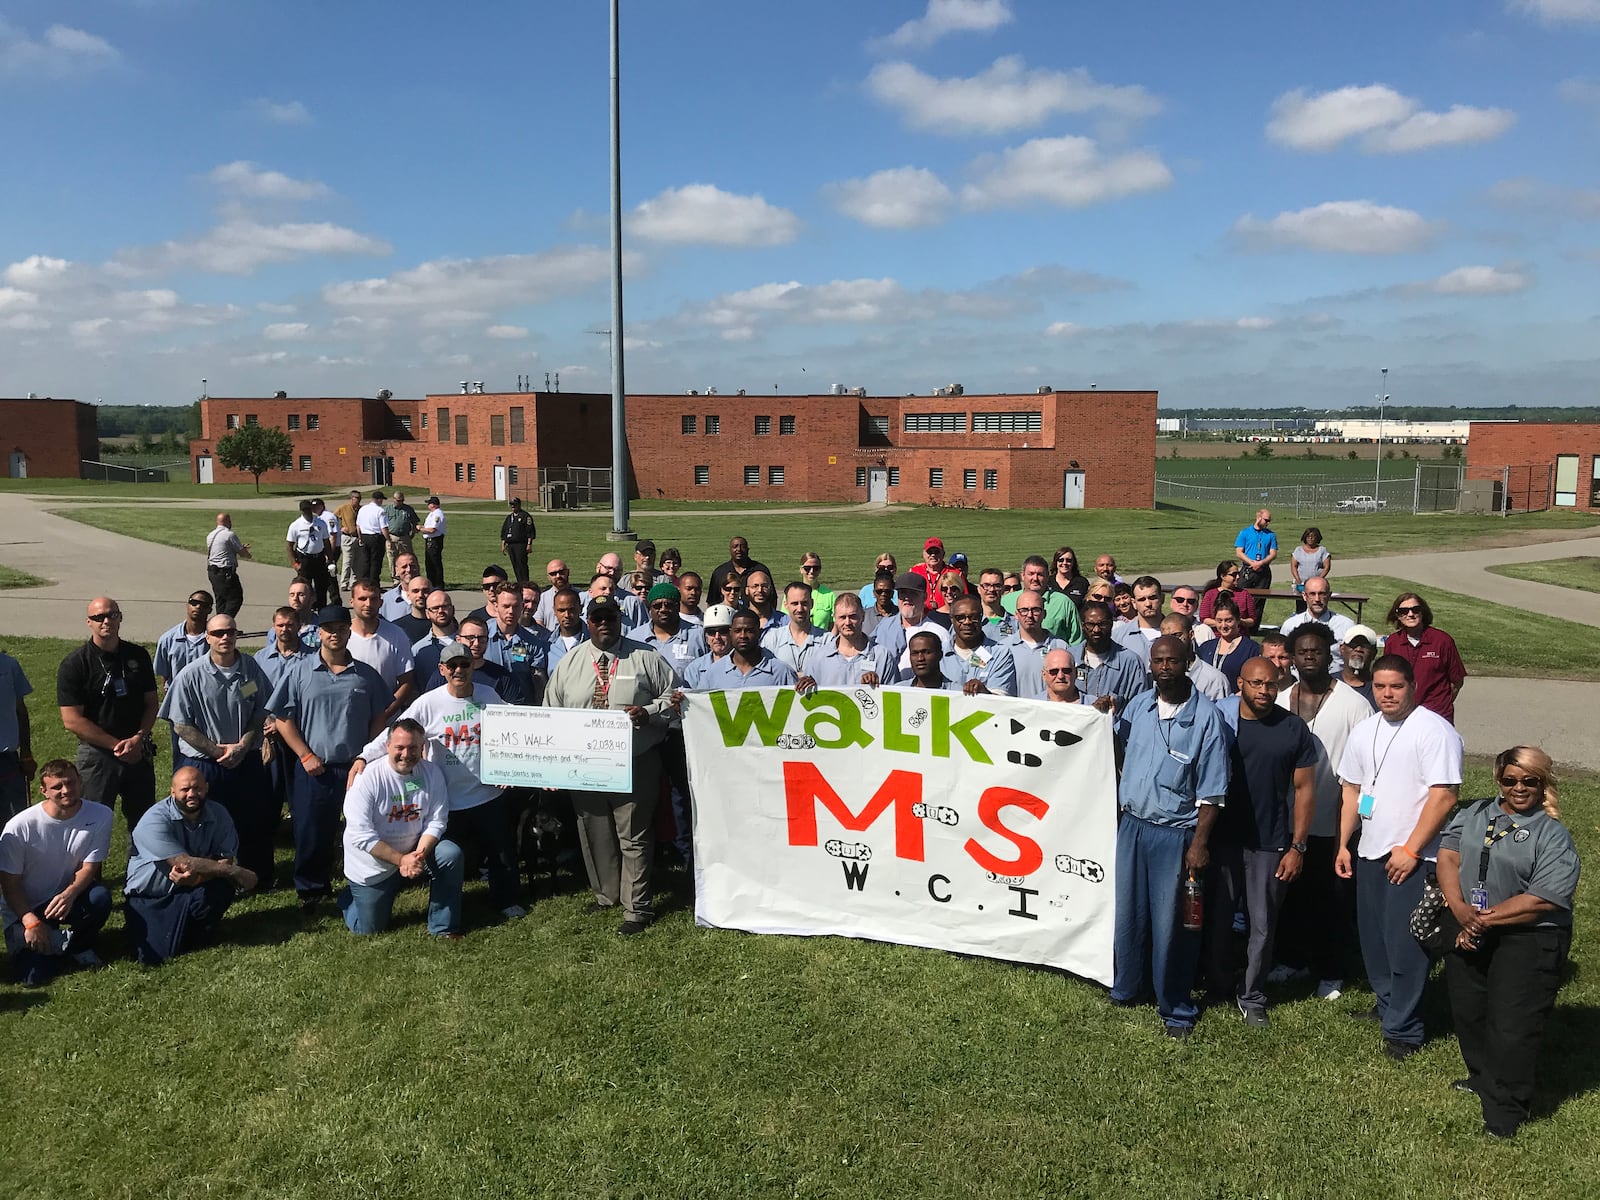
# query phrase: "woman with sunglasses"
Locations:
[[884, 562], [1067, 579], [1508, 868], [1431, 652], [952, 585], [1226, 587], [733, 592]]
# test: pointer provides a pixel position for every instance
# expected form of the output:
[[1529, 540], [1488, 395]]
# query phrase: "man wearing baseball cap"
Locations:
[[930, 568], [1359, 651], [617, 829], [914, 617]]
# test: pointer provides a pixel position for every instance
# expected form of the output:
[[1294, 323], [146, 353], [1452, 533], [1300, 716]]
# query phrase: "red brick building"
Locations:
[[48, 438], [1035, 450], [1537, 466]]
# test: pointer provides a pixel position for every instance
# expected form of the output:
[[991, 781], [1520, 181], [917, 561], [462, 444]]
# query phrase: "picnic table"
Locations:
[[1352, 601]]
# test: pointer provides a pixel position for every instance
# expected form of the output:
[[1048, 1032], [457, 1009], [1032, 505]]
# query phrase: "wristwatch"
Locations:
[[1299, 847]]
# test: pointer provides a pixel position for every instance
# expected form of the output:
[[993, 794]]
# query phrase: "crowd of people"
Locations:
[[1283, 793]]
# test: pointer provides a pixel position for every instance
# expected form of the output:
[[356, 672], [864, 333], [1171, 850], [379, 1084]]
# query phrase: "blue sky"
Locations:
[[336, 198]]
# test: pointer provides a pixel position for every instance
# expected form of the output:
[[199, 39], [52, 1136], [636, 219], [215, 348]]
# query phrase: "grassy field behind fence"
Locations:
[[549, 1057]]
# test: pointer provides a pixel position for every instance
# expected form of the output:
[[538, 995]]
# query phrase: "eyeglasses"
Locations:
[[1410, 610], [1065, 558], [222, 633], [113, 615], [199, 604], [440, 607], [1058, 670], [808, 568], [471, 639], [1185, 600], [1021, 609], [1526, 781], [952, 590], [489, 584]]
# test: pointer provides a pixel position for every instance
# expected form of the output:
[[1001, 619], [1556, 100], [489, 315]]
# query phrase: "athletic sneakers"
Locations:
[[1254, 1017], [1330, 989]]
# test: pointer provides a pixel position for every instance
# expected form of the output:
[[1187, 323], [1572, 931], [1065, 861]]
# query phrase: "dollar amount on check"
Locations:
[[581, 749]]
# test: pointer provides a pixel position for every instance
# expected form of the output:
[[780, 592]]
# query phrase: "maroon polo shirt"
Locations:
[[1437, 665]]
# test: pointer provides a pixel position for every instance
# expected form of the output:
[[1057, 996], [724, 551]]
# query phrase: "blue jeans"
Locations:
[[316, 803], [1397, 965], [1149, 939], [87, 916], [367, 907], [245, 791]]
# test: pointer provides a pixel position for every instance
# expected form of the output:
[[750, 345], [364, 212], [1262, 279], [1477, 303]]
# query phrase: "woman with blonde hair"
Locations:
[[1508, 869]]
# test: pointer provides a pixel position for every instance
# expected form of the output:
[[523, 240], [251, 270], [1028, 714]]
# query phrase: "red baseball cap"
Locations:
[[931, 543]]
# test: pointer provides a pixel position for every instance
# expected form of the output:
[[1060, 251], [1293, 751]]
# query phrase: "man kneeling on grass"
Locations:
[[52, 903], [395, 815], [182, 876]]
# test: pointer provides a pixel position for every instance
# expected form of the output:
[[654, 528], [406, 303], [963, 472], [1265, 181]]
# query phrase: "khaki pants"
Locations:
[[397, 547], [617, 832]]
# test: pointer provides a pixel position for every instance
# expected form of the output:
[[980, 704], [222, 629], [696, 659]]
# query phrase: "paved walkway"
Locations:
[[146, 580]]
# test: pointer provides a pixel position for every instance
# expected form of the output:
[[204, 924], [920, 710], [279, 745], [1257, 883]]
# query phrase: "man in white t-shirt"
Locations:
[[433, 526], [452, 717], [380, 644], [1319, 911], [395, 815], [1318, 593], [372, 538], [1401, 771], [52, 903]]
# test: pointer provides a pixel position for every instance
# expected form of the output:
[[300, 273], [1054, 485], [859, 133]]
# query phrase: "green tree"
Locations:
[[1264, 450], [255, 448]]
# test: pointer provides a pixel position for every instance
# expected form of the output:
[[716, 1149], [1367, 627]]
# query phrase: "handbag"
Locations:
[[1251, 577], [1432, 923]]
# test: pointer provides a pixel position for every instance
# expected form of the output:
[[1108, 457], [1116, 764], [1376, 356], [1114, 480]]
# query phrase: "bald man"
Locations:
[[223, 552]]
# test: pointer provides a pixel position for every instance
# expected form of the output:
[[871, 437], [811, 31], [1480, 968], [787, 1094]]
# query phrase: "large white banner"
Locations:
[[979, 824]]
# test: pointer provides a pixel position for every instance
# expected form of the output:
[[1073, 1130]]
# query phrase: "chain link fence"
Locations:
[[1508, 489], [105, 472], [1432, 487]]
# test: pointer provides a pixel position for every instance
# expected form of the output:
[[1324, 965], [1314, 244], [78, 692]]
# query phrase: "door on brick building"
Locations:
[[499, 482], [1072, 489], [18, 465], [202, 468], [382, 470], [878, 485]]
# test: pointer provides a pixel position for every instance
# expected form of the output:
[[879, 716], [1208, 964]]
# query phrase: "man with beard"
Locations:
[[1110, 673], [1173, 785]]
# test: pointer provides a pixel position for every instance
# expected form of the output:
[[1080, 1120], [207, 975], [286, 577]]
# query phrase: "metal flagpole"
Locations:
[[619, 432]]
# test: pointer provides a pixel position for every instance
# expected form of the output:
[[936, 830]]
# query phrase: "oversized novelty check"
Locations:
[[581, 749]]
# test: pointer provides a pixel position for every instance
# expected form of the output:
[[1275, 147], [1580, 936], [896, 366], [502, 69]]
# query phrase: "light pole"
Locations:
[[619, 433], [1382, 399]]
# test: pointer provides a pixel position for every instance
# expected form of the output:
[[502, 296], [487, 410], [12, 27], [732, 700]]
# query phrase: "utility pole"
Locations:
[[1382, 398], [619, 432]]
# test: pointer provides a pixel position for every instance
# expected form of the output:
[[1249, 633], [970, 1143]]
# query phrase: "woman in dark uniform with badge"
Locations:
[[1508, 869]]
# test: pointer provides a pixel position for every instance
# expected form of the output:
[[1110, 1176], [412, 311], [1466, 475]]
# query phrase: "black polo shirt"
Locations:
[[111, 687]]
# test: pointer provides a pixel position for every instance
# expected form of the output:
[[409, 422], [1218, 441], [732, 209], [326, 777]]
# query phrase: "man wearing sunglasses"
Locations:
[[106, 691], [185, 641], [878, 605], [560, 576], [493, 576], [217, 707]]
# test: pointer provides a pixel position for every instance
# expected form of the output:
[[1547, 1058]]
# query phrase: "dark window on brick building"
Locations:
[[936, 477], [763, 426], [702, 476], [969, 479], [935, 422], [461, 429], [518, 432], [497, 430], [690, 423], [861, 477], [785, 426], [250, 419], [294, 422], [713, 425], [313, 422], [752, 476], [991, 480], [511, 476], [775, 476], [444, 424], [472, 472], [305, 462], [894, 476], [878, 426], [233, 420], [413, 466], [458, 472]]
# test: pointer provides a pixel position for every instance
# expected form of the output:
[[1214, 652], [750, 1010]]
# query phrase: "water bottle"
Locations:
[[1191, 899]]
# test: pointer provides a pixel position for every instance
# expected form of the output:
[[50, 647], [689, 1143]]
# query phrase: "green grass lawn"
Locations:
[[1494, 639], [177, 490], [1580, 573], [10, 578], [551, 1058], [1188, 538], [1286, 465]]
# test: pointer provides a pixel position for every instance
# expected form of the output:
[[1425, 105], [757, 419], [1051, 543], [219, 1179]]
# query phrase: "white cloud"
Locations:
[[251, 182], [1339, 227], [898, 198], [286, 331], [239, 247], [1460, 126], [90, 328], [37, 271], [1062, 329], [1473, 281], [1579, 91], [15, 299], [61, 51], [498, 282], [279, 310], [24, 322], [509, 333], [943, 17], [260, 359], [291, 112], [1386, 121], [1559, 12], [1068, 171], [704, 214], [1005, 97]]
